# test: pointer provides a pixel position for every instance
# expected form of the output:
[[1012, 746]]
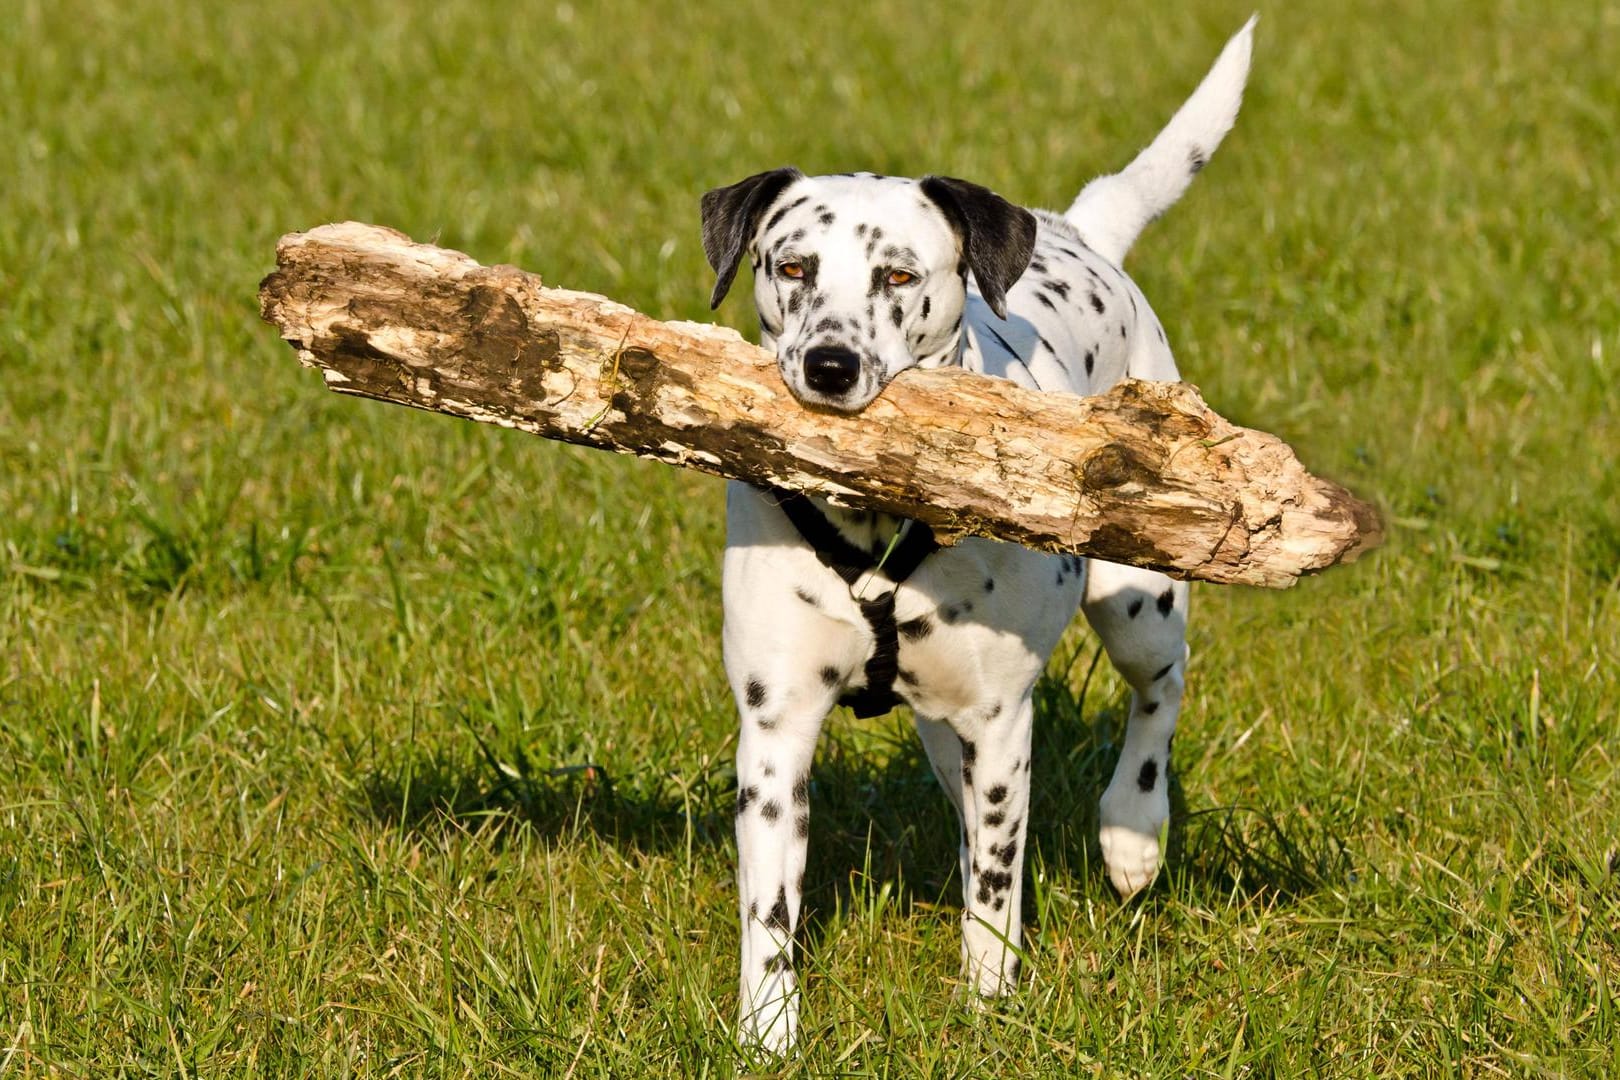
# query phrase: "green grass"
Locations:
[[295, 690]]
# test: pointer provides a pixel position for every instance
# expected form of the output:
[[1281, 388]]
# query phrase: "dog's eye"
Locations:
[[901, 277], [793, 270]]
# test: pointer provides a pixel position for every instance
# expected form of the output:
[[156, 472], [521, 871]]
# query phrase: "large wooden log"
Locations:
[[1146, 474]]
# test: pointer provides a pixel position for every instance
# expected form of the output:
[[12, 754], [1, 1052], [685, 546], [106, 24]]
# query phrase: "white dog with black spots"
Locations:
[[857, 278]]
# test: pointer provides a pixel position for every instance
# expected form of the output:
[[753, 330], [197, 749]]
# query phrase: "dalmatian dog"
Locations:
[[857, 278]]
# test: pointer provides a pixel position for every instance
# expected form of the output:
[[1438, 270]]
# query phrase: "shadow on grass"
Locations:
[[879, 819]]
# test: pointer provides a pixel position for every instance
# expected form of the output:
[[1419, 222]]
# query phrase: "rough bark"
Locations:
[[1146, 474]]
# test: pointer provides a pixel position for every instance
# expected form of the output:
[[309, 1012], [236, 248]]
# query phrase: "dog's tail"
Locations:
[[1112, 210]]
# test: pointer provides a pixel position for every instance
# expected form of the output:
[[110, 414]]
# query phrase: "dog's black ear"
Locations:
[[730, 216], [997, 237]]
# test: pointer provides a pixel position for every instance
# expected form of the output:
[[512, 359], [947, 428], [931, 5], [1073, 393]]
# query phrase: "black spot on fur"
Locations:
[[950, 613], [778, 962], [989, 584], [996, 794], [970, 754], [998, 880], [1047, 300], [916, 629], [905, 676], [1047, 345], [745, 797], [768, 723], [776, 218], [1149, 776], [830, 675], [768, 769], [1009, 852], [1135, 608], [801, 791], [994, 818], [801, 826], [1091, 361], [753, 910], [1196, 159], [755, 693], [827, 218], [778, 918], [1162, 672], [928, 304], [896, 315], [1059, 289], [1167, 602], [1151, 707], [806, 597], [1097, 305], [771, 810]]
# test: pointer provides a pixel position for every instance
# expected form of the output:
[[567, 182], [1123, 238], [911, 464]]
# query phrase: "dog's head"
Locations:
[[859, 277]]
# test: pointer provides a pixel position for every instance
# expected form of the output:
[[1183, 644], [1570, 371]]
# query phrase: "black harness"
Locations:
[[851, 563]]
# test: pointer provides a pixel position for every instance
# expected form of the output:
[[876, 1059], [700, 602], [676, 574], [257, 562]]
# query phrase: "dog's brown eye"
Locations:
[[901, 277], [793, 270]]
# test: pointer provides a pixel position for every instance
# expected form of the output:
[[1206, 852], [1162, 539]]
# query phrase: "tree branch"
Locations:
[[1146, 474]]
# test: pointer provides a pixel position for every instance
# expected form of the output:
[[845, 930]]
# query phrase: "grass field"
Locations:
[[294, 689]]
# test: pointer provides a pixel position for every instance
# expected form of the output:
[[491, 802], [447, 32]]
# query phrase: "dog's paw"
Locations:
[[1132, 859], [771, 1026], [1130, 838]]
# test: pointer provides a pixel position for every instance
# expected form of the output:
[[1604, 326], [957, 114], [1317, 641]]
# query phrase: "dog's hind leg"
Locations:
[[1141, 617], [983, 764], [945, 756]]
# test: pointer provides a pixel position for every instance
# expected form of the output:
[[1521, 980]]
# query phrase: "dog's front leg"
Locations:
[[780, 724], [995, 803]]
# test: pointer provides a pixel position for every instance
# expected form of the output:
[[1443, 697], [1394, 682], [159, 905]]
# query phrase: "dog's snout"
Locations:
[[831, 369]]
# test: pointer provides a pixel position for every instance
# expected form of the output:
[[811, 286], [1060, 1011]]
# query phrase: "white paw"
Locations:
[[1130, 837], [771, 1025], [1132, 858]]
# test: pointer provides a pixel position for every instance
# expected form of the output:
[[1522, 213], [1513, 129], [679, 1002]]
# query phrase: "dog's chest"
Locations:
[[970, 624]]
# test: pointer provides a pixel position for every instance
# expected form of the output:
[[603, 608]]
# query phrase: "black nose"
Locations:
[[831, 369]]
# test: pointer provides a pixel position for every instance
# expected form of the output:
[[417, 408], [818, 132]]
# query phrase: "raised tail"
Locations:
[[1112, 211]]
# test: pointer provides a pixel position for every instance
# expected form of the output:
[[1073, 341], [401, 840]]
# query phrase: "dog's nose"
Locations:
[[831, 369]]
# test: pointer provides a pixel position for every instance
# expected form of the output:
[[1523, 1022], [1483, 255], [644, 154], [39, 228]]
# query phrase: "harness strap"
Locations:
[[851, 563]]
